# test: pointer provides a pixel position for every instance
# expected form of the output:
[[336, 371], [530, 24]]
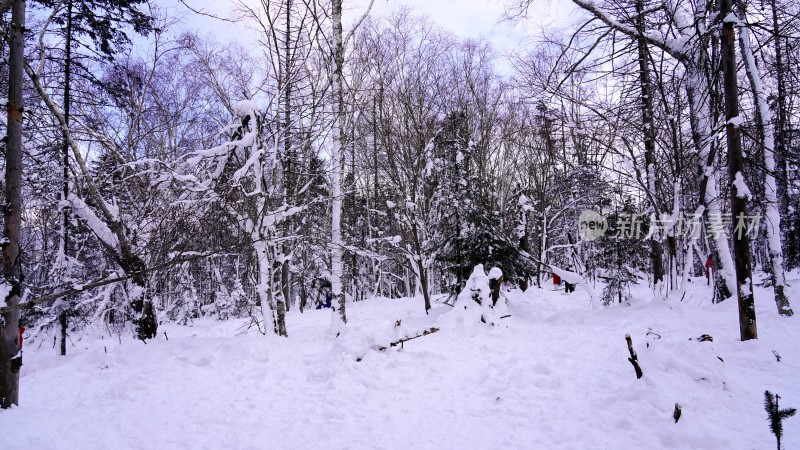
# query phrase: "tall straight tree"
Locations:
[[337, 152], [63, 250], [739, 191], [649, 141], [10, 357], [778, 41]]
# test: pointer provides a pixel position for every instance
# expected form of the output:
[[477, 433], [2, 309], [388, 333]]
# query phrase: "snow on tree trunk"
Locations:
[[772, 219]]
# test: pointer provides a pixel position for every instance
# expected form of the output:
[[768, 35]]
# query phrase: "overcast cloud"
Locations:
[[474, 19]]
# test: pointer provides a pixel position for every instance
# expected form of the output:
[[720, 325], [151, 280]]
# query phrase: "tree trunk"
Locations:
[[649, 144], [66, 305], [423, 285], [337, 152], [62, 320], [288, 156], [782, 122], [524, 245], [741, 242], [773, 217], [10, 356], [65, 144]]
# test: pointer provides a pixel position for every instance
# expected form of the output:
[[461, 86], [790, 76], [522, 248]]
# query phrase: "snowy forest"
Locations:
[[160, 180]]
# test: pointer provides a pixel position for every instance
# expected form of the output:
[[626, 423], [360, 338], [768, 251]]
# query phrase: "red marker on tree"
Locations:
[[21, 330]]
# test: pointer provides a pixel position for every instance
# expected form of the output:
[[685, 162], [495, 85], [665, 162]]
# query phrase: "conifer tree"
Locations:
[[776, 415], [466, 220]]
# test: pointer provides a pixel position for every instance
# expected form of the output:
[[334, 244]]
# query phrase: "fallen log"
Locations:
[[400, 342]]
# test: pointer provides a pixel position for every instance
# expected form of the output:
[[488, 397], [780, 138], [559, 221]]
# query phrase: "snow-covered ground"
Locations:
[[554, 375]]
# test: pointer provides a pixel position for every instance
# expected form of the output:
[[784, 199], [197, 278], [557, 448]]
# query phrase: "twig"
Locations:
[[203, 13], [633, 358]]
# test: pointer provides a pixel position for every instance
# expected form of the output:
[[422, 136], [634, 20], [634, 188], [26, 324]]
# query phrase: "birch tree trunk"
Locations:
[[337, 153], [10, 358], [288, 157], [741, 242], [773, 217]]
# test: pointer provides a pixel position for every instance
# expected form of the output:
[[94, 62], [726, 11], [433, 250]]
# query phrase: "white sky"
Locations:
[[465, 18], [482, 18]]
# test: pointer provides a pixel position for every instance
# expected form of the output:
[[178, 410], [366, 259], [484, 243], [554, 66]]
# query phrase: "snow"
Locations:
[[553, 375], [742, 191], [566, 275], [244, 108], [495, 273], [736, 121], [472, 306], [731, 18], [5, 289], [100, 229]]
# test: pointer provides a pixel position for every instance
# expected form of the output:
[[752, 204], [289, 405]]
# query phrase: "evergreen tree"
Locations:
[[465, 218], [776, 415], [623, 252]]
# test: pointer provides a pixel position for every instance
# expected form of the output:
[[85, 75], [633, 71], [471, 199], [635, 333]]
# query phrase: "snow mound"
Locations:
[[473, 305]]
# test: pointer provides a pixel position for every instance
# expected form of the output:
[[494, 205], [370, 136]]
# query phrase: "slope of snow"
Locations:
[[553, 375]]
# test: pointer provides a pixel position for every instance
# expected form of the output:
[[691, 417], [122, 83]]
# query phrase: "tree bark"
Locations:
[[10, 357], [62, 320], [65, 143], [741, 242], [337, 152], [524, 245], [289, 177]]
